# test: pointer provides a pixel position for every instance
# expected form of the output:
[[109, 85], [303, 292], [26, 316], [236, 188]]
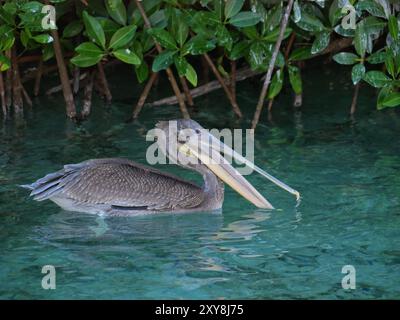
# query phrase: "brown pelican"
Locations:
[[122, 187]]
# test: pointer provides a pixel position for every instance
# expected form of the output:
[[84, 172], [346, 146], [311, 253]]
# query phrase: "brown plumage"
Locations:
[[117, 186]]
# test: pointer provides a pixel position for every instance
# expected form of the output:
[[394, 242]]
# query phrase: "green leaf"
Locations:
[[357, 73], [224, 37], [335, 12], [232, 7], [300, 54], [346, 58], [321, 42], [280, 59], [360, 40], [366, 32], [24, 37], [142, 72], [109, 27], [389, 63], [377, 57], [138, 49], [84, 61], [89, 49], [203, 19], [218, 8], [383, 93], [5, 63], [198, 45], [43, 38], [127, 56], [274, 17], [191, 75], [7, 37], [94, 29], [391, 100], [310, 22], [158, 19], [47, 52], [295, 79], [32, 7], [258, 56], [373, 25], [251, 33], [273, 35], [73, 29], [276, 84], [10, 7], [163, 37], [7, 17], [376, 79], [122, 37], [181, 65], [245, 19], [296, 11], [163, 60], [238, 50], [372, 7], [182, 33], [393, 27], [116, 10]]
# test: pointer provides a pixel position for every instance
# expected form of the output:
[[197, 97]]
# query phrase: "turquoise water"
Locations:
[[346, 169]]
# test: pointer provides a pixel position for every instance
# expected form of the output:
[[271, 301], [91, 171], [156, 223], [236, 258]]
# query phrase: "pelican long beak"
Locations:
[[221, 147], [227, 173], [208, 151]]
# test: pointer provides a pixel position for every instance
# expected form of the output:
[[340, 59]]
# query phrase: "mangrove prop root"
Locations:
[[336, 46], [59, 88], [144, 95], [32, 74], [290, 45], [267, 81], [270, 104], [221, 80], [65, 83], [16, 88], [3, 95], [298, 100], [8, 84], [206, 70], [104, 82], [37, 58], [87, 101], [241, 74], [26, 95], [233, 79], [170, 74], [355, 99], [75, 82], [186, 91], [38, 78]]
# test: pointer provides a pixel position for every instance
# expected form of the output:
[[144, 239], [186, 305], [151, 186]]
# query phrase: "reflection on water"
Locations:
[[347, 171]]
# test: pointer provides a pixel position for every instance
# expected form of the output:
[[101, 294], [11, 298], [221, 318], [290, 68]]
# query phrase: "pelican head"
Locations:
[[188, 144]]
